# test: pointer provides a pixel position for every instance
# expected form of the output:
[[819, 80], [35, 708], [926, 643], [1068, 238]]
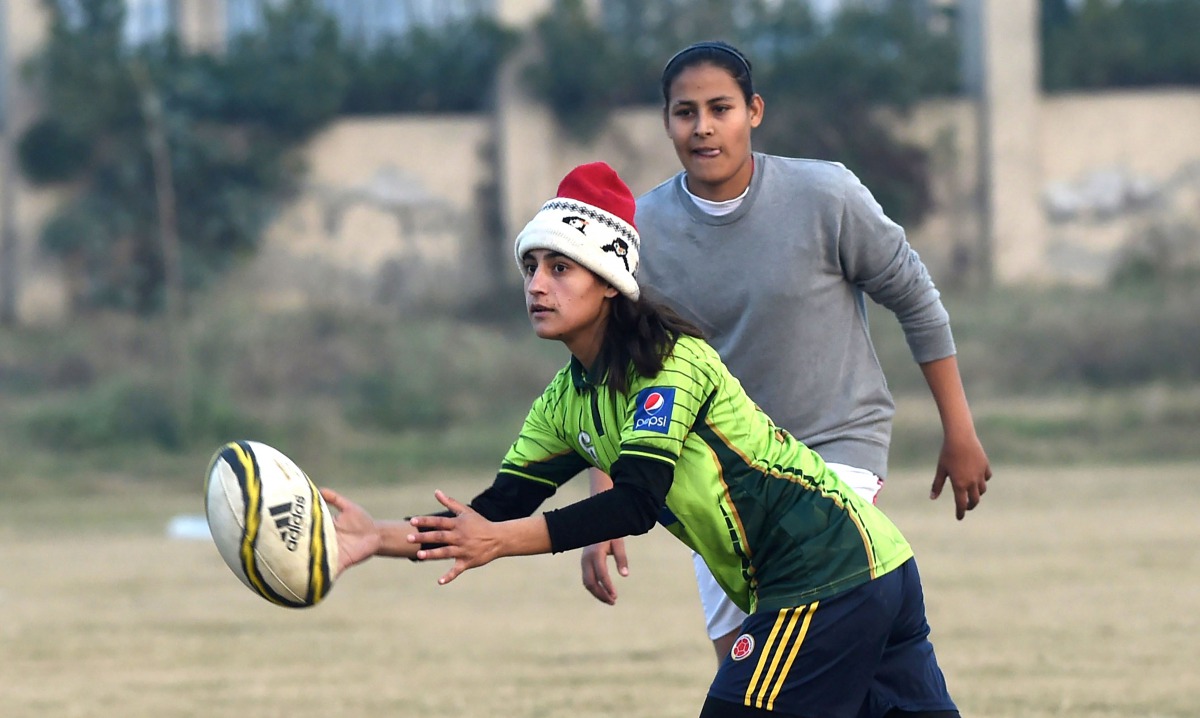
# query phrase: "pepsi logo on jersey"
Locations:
[[654, 407]]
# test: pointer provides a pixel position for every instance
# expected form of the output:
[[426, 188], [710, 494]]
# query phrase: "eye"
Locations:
[[561, 267], [683, 112], [529, 268], [721, 109]]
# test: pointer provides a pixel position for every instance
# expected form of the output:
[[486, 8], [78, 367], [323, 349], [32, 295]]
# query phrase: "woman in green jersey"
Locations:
[[836, 620]]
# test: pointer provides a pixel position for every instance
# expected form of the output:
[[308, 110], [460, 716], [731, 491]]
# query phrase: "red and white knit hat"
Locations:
[[590, 221]]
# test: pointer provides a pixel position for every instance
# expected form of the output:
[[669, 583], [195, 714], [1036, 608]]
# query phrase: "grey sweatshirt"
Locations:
[[779, 284]]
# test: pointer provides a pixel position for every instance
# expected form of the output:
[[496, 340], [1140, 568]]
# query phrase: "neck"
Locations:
[[585, 352], [585, 344], [730, 189]]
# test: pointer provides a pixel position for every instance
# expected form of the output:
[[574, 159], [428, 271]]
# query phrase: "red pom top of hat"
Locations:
[[597, 184]]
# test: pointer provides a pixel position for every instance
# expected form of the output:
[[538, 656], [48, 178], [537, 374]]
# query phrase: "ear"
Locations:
[[666, 121], [757, 107], [611, 292]]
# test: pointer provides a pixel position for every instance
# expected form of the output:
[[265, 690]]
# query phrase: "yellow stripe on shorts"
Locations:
[[773, 666]]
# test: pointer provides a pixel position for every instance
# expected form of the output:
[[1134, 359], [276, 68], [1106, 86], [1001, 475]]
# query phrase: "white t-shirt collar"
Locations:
[[715, 209]]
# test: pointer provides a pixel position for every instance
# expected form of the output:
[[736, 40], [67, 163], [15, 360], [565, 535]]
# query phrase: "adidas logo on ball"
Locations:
[[289, 519], [270, 524]]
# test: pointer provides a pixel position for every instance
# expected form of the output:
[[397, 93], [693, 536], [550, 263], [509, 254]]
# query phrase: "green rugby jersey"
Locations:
[[775, 526]]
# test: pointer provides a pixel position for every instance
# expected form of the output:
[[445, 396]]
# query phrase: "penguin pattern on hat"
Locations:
[[590, 220]]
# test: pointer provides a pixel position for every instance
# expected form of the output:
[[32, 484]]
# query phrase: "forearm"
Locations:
[[393, 539], [945, 384], [598, 481], [628, 508], [473, 540], [510, 497], [962, 460], [523, 537]]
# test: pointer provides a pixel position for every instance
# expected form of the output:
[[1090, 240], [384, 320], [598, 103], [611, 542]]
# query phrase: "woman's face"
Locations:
[[709, 122], [566, 301]]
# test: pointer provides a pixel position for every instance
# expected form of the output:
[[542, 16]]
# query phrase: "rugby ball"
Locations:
[[270, 524]]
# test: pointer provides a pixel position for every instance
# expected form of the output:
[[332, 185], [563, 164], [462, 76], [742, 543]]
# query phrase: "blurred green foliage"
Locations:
[[132, 410], [1119, 43], [1026, 341], [389, 389], [824, 83], [233, 123], [445, 69], [1064, 374]]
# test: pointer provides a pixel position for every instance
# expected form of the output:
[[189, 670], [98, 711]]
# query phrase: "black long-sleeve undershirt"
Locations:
[[631, 507]]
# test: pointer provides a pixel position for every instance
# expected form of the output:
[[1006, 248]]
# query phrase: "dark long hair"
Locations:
[[640, 335]]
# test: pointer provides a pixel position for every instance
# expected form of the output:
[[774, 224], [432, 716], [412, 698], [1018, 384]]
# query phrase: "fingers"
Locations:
[[464, 537], [334, 499], [596, 577], [449, 503], [966, 492], [595, 573], [603, 590], [443, 535], [962, 502], [618, 552], [967, 495], [442, 552], [453, 573], [432, 523], [939, 480]]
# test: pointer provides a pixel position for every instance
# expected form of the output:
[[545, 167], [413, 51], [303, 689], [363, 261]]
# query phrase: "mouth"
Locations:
[[706, 152], [539, 310]]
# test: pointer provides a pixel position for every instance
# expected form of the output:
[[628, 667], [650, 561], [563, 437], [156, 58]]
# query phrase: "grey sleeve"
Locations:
[[877, 258]]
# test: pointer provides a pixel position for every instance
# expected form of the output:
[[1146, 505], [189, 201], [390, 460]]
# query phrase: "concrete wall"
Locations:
[[951, 240], [381, 169], [391, 209], [388, 213], [1010, 112], [1111, 168], [1118, 168]]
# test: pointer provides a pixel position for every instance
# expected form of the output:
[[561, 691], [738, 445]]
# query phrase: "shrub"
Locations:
[[126, 411]]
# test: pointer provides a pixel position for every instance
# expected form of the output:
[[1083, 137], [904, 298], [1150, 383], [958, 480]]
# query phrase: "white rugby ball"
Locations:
[[270, 524]]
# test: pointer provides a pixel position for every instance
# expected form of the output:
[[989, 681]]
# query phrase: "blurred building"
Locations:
[[1028, 187], [211, 23]]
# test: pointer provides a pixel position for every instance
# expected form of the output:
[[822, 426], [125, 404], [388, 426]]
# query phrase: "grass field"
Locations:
[[1069, 592]]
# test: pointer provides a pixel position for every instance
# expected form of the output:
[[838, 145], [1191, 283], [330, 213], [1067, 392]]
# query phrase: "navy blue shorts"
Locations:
[[858, 654]]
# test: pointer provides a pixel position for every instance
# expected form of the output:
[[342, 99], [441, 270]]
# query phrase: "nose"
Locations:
[[703, 124], [535, 281]]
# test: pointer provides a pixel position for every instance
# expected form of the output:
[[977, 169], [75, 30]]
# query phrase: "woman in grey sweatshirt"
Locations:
[[774, 258]]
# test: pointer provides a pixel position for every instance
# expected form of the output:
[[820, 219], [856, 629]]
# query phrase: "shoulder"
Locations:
[[695, 348], [558, 391], [693, 356], [823, 175], [691, 363], [827, 188], [663, 196], [659, 192]]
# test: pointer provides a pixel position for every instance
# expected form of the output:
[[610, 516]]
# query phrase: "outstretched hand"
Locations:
[[966, 465], [357, 534], [471, 540]]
